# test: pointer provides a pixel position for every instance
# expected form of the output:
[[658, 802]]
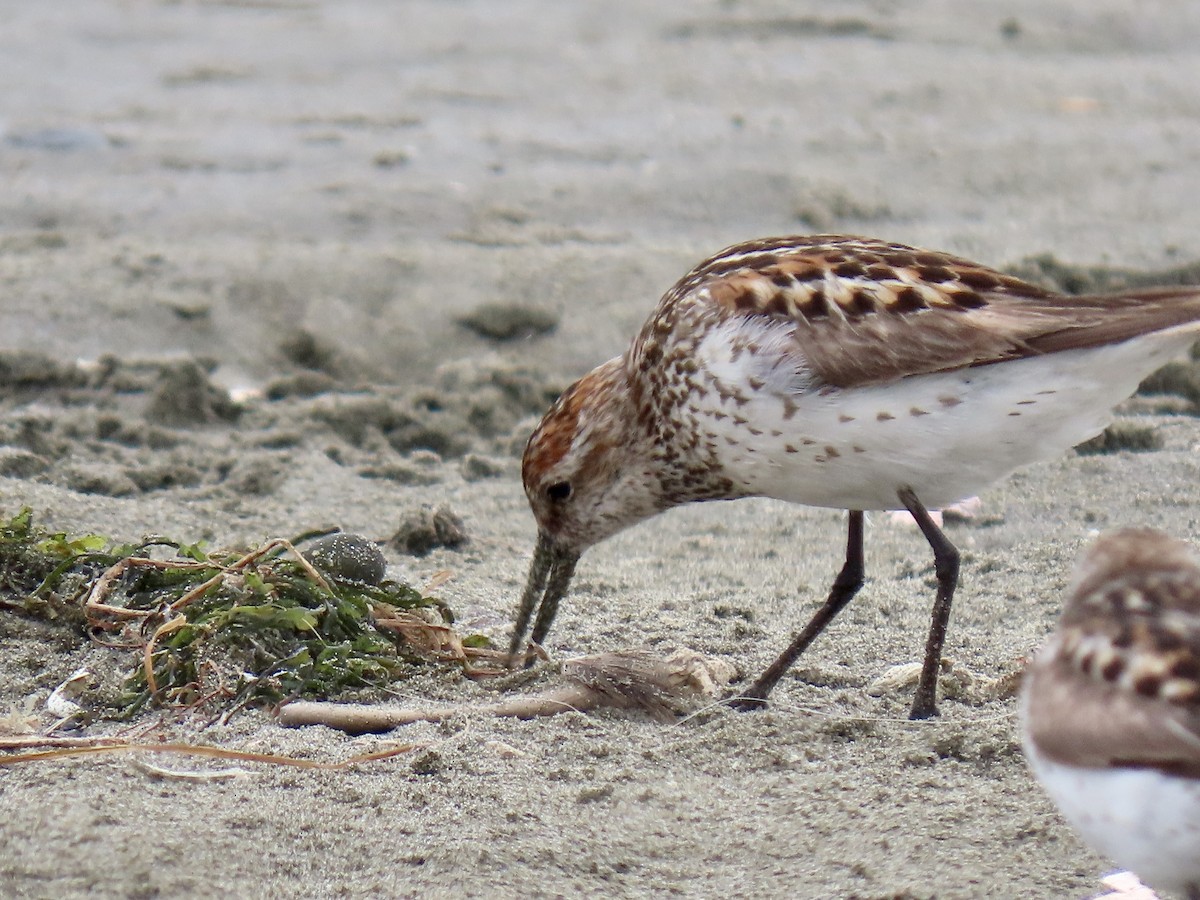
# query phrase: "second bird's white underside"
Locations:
[[1141, 819], [946, 435]]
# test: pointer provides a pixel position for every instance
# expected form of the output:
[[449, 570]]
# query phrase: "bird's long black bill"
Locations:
[[550, 576]]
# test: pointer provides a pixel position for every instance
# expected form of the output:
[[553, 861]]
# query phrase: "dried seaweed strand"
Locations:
[[197, 750]]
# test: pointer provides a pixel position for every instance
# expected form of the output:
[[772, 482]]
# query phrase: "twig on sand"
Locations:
[[61, 748], [628, 679]]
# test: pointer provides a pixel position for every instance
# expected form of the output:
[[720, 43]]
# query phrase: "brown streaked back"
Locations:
[[868, 311]]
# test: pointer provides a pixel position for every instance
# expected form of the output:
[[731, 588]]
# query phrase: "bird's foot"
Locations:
[[923, 708]]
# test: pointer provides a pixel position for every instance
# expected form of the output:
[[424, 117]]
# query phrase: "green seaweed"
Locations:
[[211, 629]]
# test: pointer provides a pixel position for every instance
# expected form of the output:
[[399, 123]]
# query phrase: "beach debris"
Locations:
[[162, 773], [53, 747], [61, 702], [957, 682], [662, 687], [218, 630], [262, 626]]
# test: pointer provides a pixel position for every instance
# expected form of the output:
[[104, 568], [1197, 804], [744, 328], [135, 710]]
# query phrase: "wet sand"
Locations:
[[301, 202]]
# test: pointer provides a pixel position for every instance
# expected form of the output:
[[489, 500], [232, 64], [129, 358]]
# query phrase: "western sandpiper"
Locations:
[[1111, 707], [841, 372]]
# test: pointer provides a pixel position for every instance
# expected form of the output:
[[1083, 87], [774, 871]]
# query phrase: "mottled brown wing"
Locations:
[[1096, 726], [1128, 660], [870, 311]]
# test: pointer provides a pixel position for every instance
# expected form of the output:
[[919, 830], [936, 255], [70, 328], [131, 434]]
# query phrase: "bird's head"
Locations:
[[587, 475]]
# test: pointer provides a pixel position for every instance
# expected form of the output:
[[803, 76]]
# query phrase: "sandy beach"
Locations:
[[270, 266]]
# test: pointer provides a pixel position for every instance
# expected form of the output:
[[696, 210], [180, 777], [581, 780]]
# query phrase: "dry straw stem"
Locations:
[[104, 584], [95, 605], [241, 564], [91, 746]]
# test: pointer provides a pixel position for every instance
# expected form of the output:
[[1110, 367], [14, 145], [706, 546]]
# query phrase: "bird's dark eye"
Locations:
[[559, 491]]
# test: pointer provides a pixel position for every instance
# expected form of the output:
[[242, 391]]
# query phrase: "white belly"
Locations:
[[946, 435], [1143, 820]]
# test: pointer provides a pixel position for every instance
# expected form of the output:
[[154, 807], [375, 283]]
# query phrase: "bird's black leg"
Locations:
[[945, 564], [845, 586]]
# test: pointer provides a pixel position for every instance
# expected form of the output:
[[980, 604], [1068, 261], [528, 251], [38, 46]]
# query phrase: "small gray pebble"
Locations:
[[348, 558]]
